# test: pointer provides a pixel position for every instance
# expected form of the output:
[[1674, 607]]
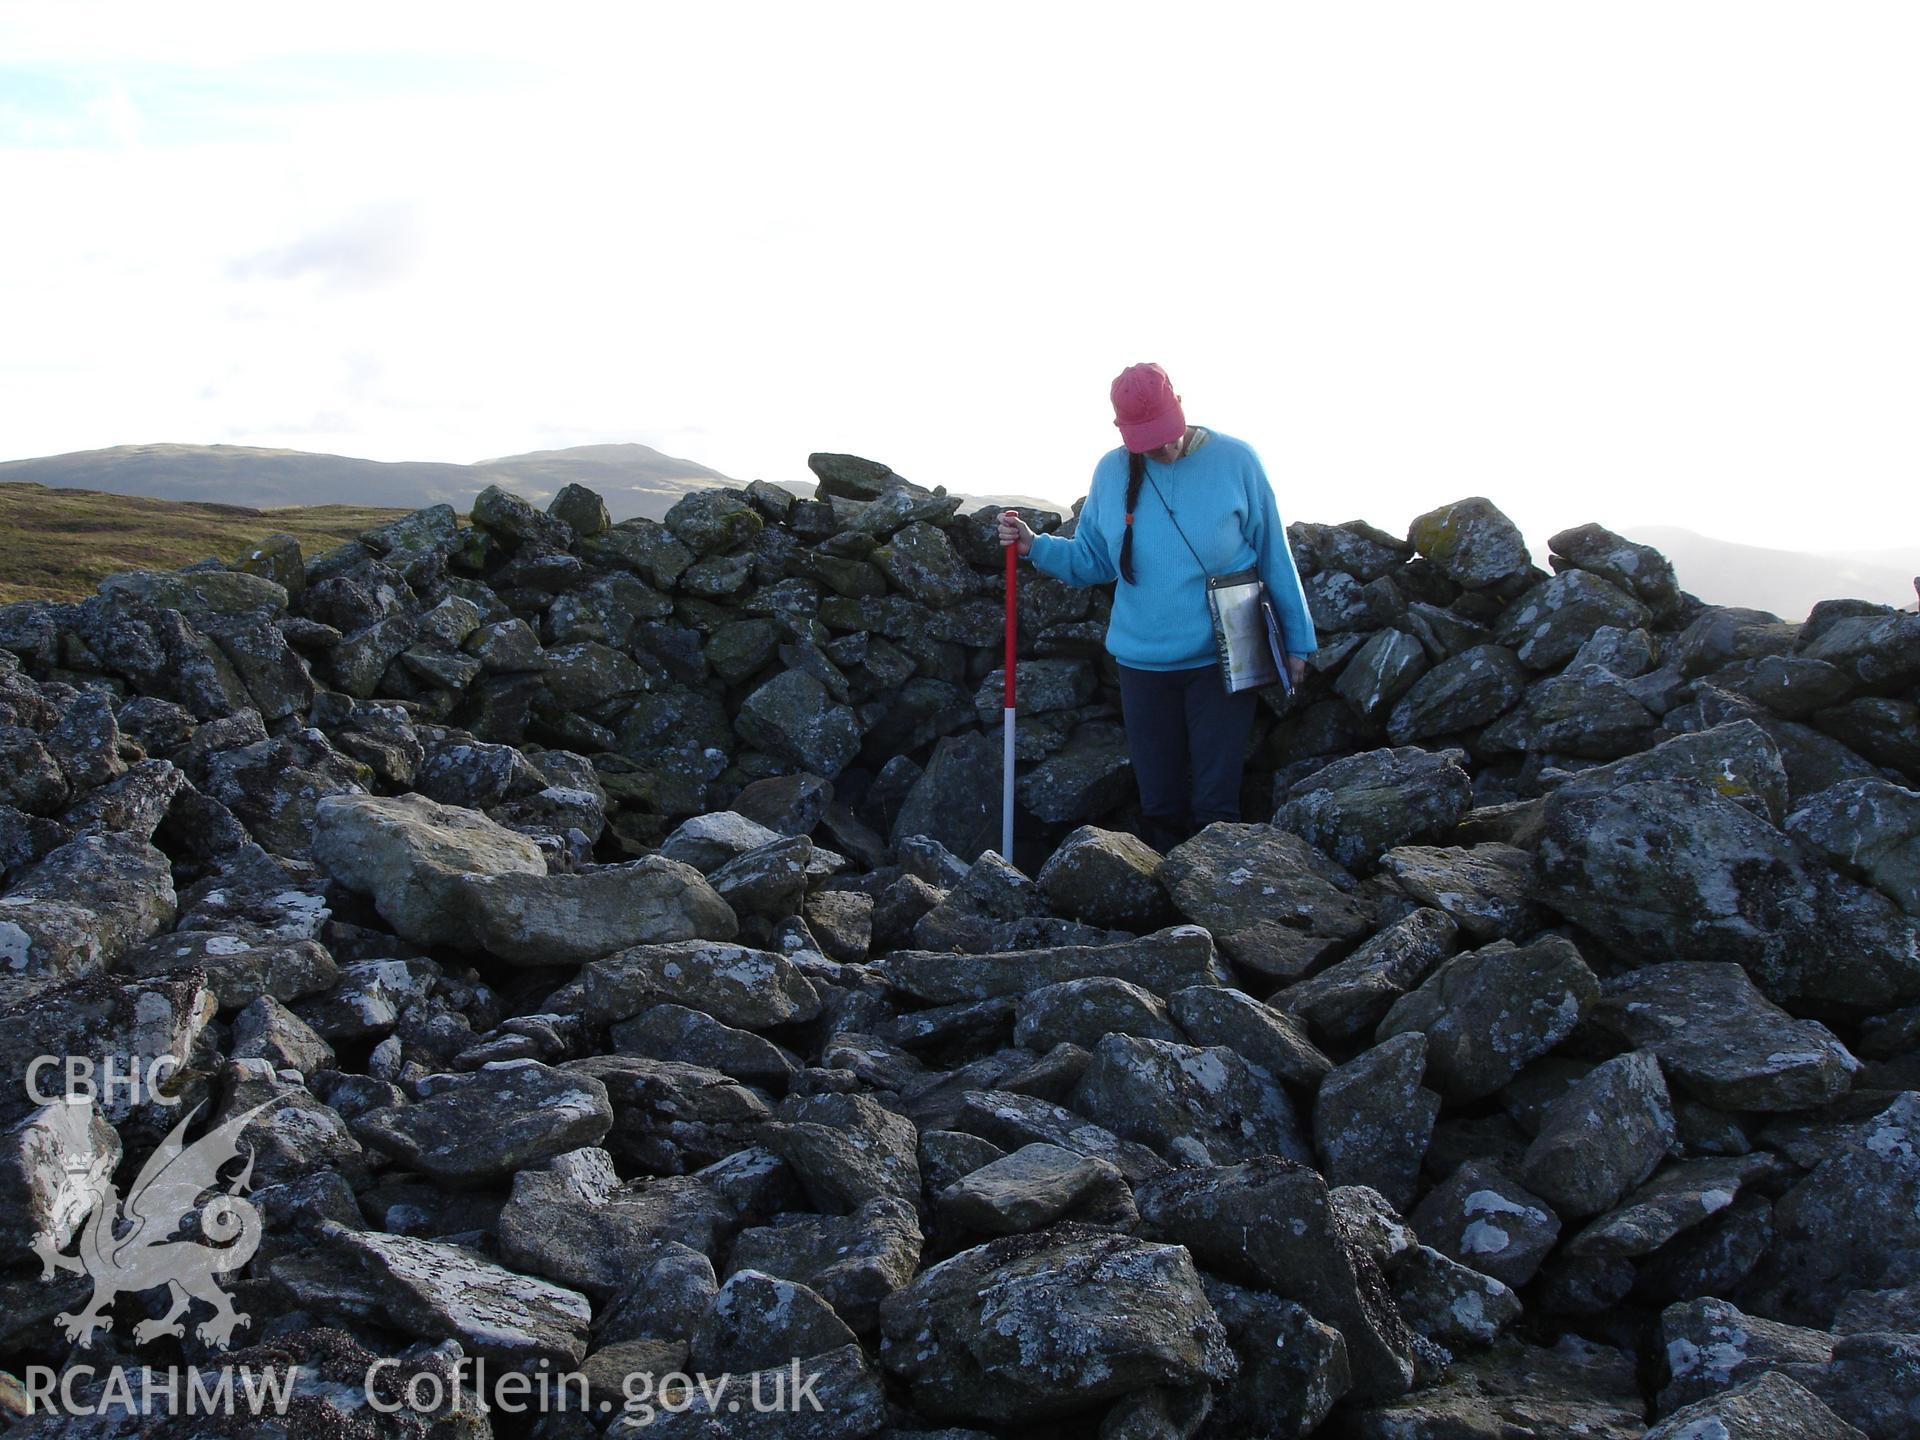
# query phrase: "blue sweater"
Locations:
[[1224, 503]]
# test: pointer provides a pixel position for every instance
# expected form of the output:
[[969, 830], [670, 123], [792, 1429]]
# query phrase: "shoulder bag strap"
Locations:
[[1176, 527]]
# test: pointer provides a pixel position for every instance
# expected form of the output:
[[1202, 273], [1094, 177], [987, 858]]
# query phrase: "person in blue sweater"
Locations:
[[1173, 505]]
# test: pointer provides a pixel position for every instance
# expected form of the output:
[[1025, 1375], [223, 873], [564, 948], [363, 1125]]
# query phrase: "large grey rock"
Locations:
[[786, 804], [1083, 1012], [115, 1025], [1675, 872], [267, 1030], [851, 477], [847, 1150], [1549, 623], [1868, 828], [1720, 1040], [1450, 1303], [1162, 962], [1359, 807], [1464, 691], [709, 841], [1352, 996], [1274, 902], [1769, 1407], [855, 1261], [568, 919], [769, 882], [712, 520], [412, 856], [748, 989], [1040, 687], [1814, 759], [1872, 1382], [1482, 1219], [1293, 1368], [759, 1321], [993, 909], [1514, 1390], [664, 1299], [1853, 1224], [510, 515], [134, 804], [1791, 686], [1472, 543], [792, 716], [573, 1222], [670, 1116], [1880, 652], [1191, 1104], [1883, 730], [1108, 878], [1866, 1311], [1721, 635], [956, 800], [903, 503], [1640, 570], [1485, 888], [29, 776], [646, 547], [475, 775], [1088, 778], [1588, 713], [667, 1031], [435, 1291], [1710, 1344], [1380, 672], [921, 563], [54, 1166], [1738, 760], [1012, 1120], [1030, 1189], [86, 743], [1372, 1119], [274, 787], [1603, 1137], [1488, 1012], [1630, 654], [1271, 1223], [1028, 1328], [1268, 1038], [491, 1122], [1682, 1196], [200, 594], [79, 910], [1337, 602]]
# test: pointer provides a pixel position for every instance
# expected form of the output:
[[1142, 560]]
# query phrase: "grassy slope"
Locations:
[[58, 544]]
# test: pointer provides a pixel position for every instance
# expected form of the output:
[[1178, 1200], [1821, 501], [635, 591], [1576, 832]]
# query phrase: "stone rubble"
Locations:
[[607, 918]]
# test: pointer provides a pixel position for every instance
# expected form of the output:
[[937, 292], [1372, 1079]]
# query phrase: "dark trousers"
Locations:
[[1187, 739]]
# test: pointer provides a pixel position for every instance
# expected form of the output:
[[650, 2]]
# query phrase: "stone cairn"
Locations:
[[604, 918]]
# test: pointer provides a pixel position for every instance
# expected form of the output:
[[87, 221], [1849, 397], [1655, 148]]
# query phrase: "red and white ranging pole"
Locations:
[[1006, 785]]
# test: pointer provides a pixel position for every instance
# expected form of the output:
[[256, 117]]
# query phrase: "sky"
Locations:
[[1640, 263]]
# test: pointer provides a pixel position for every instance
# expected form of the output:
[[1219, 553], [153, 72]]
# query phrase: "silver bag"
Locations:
[[1246, 632]]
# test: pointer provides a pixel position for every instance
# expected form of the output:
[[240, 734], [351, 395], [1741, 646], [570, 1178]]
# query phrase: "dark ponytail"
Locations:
[[1136, 476]]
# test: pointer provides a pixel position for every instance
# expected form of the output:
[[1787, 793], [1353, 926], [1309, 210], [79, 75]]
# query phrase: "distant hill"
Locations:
[[634, 479], [1786, 582]]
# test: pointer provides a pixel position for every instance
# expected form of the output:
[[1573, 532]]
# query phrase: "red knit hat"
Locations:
[[1145, 408]]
